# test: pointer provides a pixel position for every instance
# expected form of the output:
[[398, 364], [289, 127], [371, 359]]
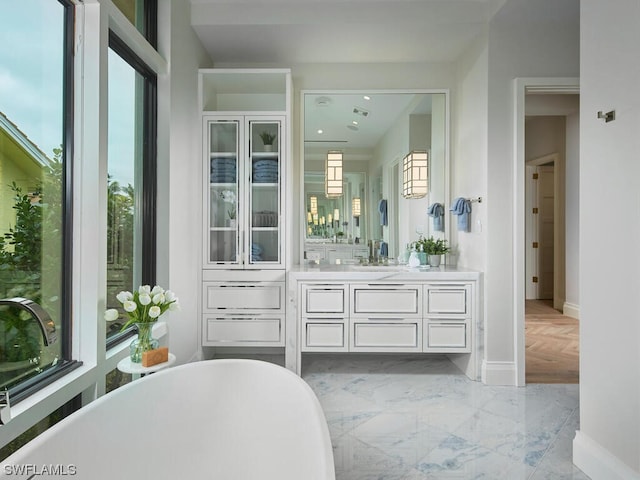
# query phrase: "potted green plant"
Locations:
[[435, 249], [267, 140]]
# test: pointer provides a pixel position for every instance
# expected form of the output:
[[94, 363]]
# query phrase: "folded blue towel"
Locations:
[[436, 211], [462, 208], [382, 208], [266, 161], [223, 179], [384, 249]]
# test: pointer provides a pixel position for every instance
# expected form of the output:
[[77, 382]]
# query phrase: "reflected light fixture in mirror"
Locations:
[[355, 209], [313, 208], [415, 175], [333, 174]]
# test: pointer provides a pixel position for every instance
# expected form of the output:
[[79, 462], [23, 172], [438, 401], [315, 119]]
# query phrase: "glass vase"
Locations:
[[143, 343]]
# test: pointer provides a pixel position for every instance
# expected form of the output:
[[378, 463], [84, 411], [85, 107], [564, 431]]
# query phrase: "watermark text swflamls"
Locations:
[[32, 470]]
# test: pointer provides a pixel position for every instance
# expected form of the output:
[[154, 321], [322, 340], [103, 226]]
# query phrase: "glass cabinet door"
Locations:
[[224, 191], [265, 161]]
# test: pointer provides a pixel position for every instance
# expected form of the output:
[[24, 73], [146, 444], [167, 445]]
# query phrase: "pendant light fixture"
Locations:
[[355, 209], [333, 174], [415, 174]]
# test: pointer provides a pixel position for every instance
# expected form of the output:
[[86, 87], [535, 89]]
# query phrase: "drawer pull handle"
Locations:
[[386, 319]]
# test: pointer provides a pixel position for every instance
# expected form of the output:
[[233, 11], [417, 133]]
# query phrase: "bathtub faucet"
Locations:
[[47, 327]]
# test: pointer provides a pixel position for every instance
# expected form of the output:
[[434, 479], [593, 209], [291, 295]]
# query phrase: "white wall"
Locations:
[[522, 43], [469, 154], [179, 182], [608, 444]]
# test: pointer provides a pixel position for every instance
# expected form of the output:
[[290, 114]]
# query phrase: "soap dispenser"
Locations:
[[414, 261]]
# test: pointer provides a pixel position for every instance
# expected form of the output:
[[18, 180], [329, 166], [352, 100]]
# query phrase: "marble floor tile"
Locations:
[[418, 417]]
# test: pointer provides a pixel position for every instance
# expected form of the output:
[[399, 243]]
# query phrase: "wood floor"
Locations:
[[552, 346]]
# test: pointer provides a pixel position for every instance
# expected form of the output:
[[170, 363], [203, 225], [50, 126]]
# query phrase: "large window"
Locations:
[[35, 164], [132, 177]]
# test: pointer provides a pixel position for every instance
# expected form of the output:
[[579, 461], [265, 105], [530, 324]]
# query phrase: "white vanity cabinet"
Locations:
[[447, 317], [243, 313], [345, 308], [385, 317], [245, 172], [325, 318]]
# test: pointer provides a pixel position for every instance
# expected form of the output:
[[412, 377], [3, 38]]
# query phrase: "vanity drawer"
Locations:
[[244, 296], [373, 300], [447, 299], [326, 335], [386, 336], [244, 330], [323, 299], [447, 337]]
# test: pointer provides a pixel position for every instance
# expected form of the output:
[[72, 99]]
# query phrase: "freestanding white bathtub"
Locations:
[[216, 419]]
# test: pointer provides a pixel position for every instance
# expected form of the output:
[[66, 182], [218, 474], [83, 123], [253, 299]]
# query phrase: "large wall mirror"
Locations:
[[373, 131]]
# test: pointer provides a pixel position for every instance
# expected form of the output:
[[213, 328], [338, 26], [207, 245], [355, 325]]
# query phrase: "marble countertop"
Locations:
[[379, 272]]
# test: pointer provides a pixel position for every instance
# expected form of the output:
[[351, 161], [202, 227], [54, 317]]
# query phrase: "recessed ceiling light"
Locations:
[[320, 131], [355, 122], [367, 97]]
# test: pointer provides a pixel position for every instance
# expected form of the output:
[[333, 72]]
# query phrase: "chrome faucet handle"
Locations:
[[46, 324], [5, 407]]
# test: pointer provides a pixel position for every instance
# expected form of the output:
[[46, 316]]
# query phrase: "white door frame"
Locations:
[[522, 86]]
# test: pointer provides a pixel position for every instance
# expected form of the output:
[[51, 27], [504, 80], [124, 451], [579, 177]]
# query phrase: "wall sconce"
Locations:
[[333, 174], [313, 208], [329, 218], [355, 209], [315, 218], [309, 217], [336, 217], [415, 174]]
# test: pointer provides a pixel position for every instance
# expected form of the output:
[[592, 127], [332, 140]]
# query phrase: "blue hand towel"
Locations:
[[382, 208], [384, 249], [436, 211], [462, 208]]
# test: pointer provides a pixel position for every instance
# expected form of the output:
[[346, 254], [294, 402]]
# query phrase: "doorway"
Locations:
[[548, 97], [544, 227]]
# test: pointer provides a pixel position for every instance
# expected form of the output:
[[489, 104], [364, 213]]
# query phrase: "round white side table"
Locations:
[[137, 370]]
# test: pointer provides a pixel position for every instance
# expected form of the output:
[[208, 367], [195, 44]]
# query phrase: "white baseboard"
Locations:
[[597, 462], [499, 373], [571, 310]]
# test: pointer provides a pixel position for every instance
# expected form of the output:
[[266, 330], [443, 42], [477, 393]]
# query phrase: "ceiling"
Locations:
[[290, 32], [348, 31], [355, 120]]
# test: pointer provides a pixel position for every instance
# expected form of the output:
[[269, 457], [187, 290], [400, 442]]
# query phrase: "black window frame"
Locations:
[[67, 363], [149, 166]]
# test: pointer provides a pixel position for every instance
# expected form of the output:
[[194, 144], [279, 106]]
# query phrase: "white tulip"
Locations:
[[156, 290], [130, 306], [154, 312], [158, 298], [169, 296], [174, 306], [124, 296], [144, 289], [144, 299], [111, 315]]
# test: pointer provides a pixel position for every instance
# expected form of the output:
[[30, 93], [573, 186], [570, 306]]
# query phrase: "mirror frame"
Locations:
[[386, 179]]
